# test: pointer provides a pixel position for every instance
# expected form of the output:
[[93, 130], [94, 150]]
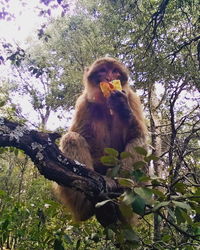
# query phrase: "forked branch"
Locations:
[[51, 163]]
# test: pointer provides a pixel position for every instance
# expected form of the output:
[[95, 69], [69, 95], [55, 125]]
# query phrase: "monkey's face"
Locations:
[[103, 70], [107, 70], [108, 73]]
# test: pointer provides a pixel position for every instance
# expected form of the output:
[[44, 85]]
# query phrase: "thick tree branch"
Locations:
[[51, 163]]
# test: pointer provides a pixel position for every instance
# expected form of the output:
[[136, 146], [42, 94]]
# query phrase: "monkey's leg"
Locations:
[[75, 147], [127, 164]]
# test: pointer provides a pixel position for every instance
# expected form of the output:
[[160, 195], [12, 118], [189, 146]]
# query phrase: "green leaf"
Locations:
[[95, 237], [144, 178], [3, 194], [151, 158], [125, 155], [171, 213], [58, 245], [140, 151], [181, 205], [138, 205], [182, 216], [2, 103], [2, 150], [137, 174], [111, 152], [16, 151], [67, 239], [180, 187], [4, 224], [145, 193], [161, 204], [109, 160], [78, 243], [196, 227], [195, 206], [197, 191], [128, 197], [158, 193], [139, 164], [109, 233], [179, 216], [166, 237], [11, 149], [126, 182]]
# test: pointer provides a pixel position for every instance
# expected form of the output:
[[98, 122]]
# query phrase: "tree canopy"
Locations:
[[159, 42]]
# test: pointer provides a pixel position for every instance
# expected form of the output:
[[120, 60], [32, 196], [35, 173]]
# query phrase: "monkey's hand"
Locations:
[[118, 102]]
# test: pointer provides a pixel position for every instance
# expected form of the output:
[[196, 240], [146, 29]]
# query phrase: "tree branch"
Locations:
[[180, 230], [51, 163], [183, 45], [157, 19]]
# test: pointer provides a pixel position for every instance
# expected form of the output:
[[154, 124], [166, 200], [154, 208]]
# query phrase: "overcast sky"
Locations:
[[25, 23]]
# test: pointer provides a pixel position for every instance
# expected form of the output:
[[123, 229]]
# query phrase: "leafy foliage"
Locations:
[[159, 43], [149, 197]]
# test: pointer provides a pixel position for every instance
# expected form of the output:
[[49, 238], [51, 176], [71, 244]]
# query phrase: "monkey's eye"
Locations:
[[115, 70], [102, 70]]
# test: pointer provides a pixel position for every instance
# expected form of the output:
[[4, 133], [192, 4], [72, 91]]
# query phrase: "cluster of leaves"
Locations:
[[152, 197], [31, 218], [44, 225], [159, 42]]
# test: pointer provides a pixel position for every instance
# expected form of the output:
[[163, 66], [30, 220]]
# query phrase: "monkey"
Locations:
[[98, 123]]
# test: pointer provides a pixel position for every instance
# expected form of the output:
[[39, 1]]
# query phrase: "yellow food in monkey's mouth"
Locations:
[[108, 87]]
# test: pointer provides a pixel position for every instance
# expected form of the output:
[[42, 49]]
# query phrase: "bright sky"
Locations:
[[26, 19], [25, 23]]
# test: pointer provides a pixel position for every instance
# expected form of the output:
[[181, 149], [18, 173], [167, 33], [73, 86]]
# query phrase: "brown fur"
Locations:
[[97, 124]]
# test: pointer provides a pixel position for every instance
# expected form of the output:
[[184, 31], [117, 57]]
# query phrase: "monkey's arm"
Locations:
[[128, 108], [118, 102], [82, 118], [137, 113]]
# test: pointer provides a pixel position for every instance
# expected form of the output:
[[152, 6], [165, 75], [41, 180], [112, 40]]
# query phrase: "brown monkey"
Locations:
[[115, 122]]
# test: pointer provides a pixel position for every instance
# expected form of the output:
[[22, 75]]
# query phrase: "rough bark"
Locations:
[[51, 163], [155, 126]]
